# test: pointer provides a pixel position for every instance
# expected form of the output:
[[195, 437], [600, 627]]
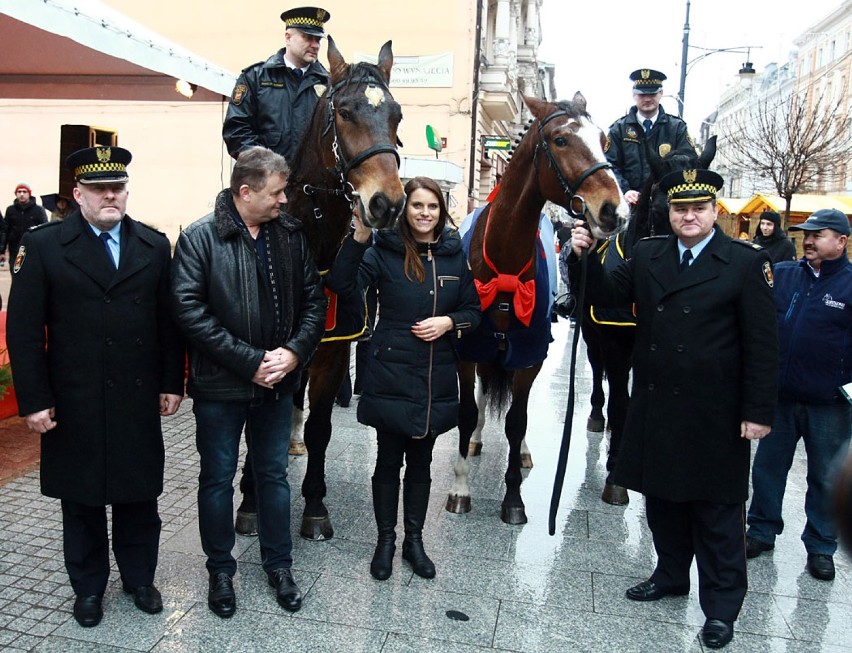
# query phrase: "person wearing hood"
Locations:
[[426, 298], [771, 237], [22, 214]]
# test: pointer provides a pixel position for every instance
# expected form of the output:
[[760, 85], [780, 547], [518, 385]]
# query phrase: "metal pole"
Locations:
[[683, 64]]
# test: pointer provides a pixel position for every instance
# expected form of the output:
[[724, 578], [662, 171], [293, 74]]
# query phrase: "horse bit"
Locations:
[[341, 166]]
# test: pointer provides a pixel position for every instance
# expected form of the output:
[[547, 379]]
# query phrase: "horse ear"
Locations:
[[708, 153], [580, 101], [386, 60], [537, 107], [336, 63]]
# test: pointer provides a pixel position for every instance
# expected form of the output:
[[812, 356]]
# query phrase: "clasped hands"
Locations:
[[276, 364]]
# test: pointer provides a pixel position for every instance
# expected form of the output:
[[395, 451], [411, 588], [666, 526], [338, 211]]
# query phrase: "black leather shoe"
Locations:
[[716, 633], [755, 547], [648, 590], [88, 611], [146, 597], [286, 591], [821, 566], [220, 596]]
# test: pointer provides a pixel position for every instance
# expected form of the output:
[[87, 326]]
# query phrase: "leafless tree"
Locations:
[[793, 145]]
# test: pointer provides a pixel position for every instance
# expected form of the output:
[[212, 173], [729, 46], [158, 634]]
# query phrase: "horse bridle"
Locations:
[[571, 192], [342, 166]]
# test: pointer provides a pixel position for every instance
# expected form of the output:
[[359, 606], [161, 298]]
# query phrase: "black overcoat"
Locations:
[[410, 386], [99, 345], [706, 358]]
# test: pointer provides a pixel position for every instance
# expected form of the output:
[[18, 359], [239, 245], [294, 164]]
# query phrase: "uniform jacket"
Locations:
[[625, 147], [217, 303], [19, 218], [814, 330], [705, 359], [410, 385], [99, 345], [271, 107]]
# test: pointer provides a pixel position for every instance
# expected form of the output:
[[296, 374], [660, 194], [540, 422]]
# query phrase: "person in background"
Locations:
[[97, 361], [770, 237], [813, 300], [427, 298], [22, 214]]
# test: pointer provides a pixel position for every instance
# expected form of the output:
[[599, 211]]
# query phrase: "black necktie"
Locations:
[[297, 72], [105, 238], [647, 124], [684, 261]]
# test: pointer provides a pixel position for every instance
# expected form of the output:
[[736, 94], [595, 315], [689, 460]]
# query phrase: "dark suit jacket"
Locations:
[[706, 359], [99, 345]]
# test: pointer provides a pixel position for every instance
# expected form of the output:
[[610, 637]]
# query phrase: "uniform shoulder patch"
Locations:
[[239, 93], [767, 274], [19, 259]]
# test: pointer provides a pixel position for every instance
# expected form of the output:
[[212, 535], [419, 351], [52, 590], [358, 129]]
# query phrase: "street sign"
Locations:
[[433, 138], [496, 143]]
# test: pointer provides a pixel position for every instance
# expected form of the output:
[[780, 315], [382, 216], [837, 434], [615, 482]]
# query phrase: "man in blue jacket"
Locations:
[[813, 299]]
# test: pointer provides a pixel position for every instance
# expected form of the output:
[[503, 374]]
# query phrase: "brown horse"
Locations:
[[346, 159], [560, 159]]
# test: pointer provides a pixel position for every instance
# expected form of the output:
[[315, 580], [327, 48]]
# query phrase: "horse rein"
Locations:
[[342, 166]]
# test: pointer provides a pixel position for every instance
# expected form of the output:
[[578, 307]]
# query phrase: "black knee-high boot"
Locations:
[[415, 502], [385, 506]]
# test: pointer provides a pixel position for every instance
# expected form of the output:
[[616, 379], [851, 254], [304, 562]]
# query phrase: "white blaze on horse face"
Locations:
[[374, 94], [591, 136]]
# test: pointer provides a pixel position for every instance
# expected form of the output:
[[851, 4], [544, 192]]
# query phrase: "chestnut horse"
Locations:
[[559, 159], [347, 158]]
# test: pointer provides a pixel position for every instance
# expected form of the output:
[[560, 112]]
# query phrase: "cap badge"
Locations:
[[321, 14], [689, 176], [104, 154], [646, 74]]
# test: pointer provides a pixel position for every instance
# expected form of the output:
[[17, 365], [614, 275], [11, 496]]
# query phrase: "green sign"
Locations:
[[433, 138], [496, 143]]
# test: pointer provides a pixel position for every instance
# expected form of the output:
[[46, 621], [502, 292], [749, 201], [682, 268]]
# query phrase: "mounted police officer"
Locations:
[[646, 125], [273, 101]]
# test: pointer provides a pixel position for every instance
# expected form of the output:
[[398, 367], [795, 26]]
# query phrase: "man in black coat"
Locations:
[[273, 101], [22, 214], [646, 127], [771, 237], [704, 385], [97, 361], [248, 297]]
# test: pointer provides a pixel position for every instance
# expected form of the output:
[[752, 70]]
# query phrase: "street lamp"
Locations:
[[746, 73]]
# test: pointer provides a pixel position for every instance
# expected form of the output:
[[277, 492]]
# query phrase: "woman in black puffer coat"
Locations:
[[410, 393]]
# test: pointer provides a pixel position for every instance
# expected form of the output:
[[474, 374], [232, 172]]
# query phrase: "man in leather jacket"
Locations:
[[646, 125], [273, 101], [247, 296]]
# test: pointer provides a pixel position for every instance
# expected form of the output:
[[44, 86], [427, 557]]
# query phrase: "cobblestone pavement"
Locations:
[[520, 589]]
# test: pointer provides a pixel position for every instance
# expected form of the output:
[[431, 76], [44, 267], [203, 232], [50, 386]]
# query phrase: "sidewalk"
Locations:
[[520, 589]]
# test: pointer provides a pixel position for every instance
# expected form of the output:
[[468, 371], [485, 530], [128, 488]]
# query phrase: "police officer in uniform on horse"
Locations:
[[273, 100], [646, 125]]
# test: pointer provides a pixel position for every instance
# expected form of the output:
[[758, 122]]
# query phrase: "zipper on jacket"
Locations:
[[431, 344], [792, 306]]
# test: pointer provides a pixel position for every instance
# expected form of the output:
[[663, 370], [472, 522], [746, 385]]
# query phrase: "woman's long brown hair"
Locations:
[[413, 266]]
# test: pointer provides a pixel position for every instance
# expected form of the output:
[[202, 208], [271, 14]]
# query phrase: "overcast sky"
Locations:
[[596, 44]]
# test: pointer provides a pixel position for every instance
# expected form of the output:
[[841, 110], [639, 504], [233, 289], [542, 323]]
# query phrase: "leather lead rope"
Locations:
[[562, 461]]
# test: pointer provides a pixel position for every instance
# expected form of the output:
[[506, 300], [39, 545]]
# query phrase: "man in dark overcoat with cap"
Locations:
[[273, 100], [704, 385], [646, 127], [97, 361]]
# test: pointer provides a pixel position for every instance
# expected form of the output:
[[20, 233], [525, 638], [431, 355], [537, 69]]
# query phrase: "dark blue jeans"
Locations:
[[219, 426], [826, 430]]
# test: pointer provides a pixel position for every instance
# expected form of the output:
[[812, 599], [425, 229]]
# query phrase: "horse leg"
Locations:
[[475, 447], [526, 455], [618, 362], [297, 424], [513, 510], [594, 351], [325, 376], [458, 500], [246, 520]]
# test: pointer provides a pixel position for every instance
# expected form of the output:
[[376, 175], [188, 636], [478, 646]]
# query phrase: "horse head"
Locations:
[[363, 119], [572, 169]]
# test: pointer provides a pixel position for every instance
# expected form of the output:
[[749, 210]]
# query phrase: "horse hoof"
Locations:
[[458, 504], [246, 523], [316, 529], [474, 449], [513, 515], [297, 449], [615, 495], [595, 425], [526, 461]]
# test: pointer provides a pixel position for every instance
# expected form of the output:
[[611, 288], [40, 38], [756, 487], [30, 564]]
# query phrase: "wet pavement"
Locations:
[[498, 587]]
